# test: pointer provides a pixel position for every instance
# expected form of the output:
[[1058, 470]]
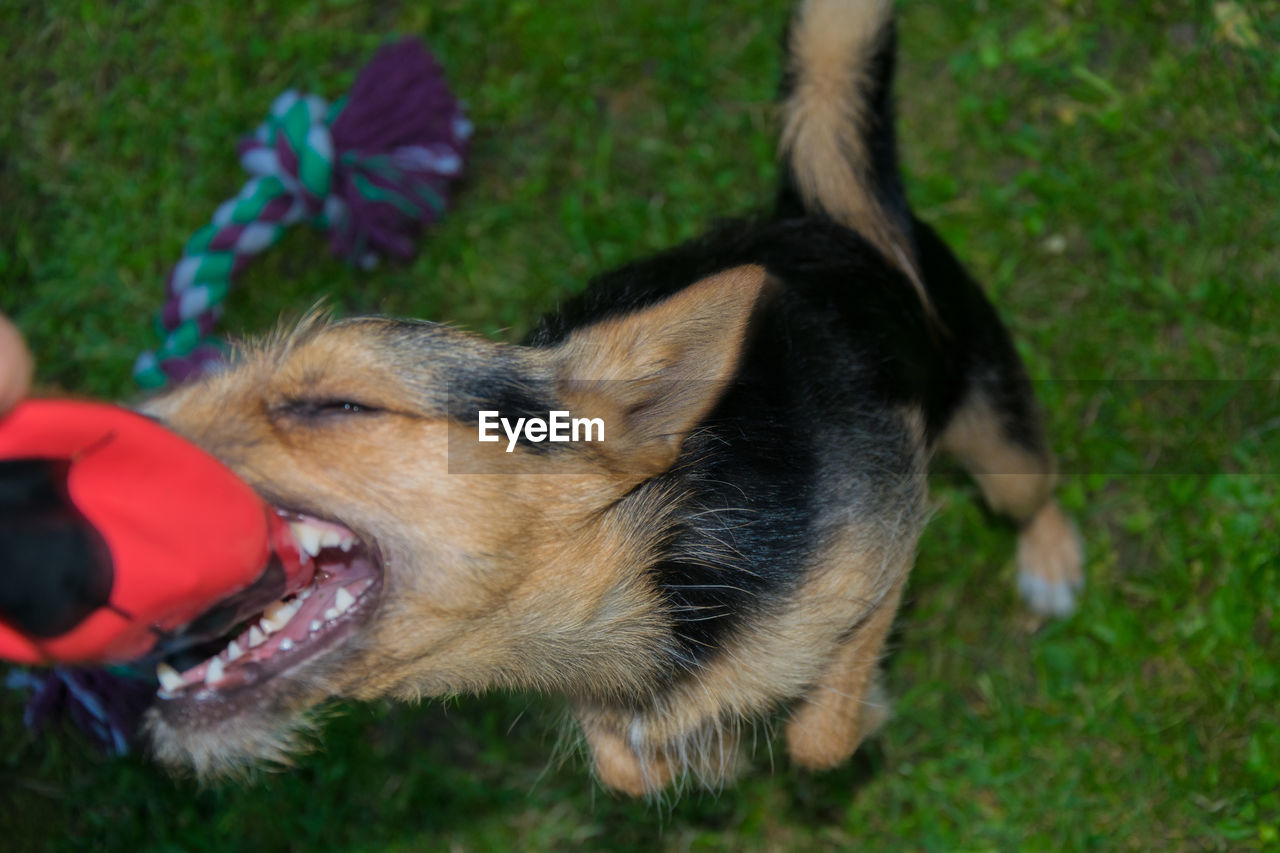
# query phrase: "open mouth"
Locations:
[[321, 606]]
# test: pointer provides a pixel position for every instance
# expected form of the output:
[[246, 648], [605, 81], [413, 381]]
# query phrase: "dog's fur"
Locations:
[[773, 392]]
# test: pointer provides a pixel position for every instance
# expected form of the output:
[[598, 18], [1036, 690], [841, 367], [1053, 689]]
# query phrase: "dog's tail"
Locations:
[[838, 147]]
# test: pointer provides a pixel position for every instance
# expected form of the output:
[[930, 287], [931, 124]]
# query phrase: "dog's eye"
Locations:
[[328, 408], [346, 406]]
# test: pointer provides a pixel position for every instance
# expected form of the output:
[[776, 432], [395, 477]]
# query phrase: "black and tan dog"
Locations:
[[771, 394]]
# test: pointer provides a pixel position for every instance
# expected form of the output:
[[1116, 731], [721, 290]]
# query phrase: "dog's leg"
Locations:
[[847, 705], [630, 754], [996, 431], [635, 770], [1004, 449]]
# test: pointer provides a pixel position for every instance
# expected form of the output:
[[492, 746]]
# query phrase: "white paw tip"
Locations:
[[1052, 598]]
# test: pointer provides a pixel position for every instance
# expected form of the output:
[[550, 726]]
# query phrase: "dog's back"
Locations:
[[803, 492]]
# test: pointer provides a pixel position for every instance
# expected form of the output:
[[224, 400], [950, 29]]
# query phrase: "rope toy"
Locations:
[[370, 169]]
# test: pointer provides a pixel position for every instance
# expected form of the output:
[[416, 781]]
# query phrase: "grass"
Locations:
[[1110, 170]]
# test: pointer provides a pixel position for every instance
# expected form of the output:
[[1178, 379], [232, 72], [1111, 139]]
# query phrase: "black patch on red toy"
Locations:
[[55, 567]]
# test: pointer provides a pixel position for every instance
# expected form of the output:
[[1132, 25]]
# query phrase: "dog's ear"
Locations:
[[652, 375]]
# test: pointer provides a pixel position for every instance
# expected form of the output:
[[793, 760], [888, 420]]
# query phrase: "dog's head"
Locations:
[[444, 563]]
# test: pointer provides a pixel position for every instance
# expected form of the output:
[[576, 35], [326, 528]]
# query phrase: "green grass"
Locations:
[[1111, 171]]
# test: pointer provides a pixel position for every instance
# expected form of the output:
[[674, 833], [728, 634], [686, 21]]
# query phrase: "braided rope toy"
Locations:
[[371, 168]]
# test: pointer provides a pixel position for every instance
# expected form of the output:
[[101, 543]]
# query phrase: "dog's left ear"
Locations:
[[653, 375]]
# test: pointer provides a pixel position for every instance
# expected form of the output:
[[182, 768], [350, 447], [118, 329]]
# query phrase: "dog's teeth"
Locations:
[[316, 625], [331, 614], [169, 678], [234, 651], [347, 544], [308, 537], [214, 673], [305, 594], [165, 694], [286, 644], [330, 539], [278, 615], [256, 637], [343, 600], [312, 537], [299, 538]]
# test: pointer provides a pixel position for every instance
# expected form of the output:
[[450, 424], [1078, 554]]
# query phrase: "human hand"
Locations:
[[15, 365]]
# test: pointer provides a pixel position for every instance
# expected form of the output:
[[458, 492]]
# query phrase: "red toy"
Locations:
[[119, 538]]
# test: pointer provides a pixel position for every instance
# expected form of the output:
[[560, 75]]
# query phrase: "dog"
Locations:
[[733, 545]]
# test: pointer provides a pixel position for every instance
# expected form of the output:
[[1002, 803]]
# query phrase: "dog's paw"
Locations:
[[1051, 563]]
